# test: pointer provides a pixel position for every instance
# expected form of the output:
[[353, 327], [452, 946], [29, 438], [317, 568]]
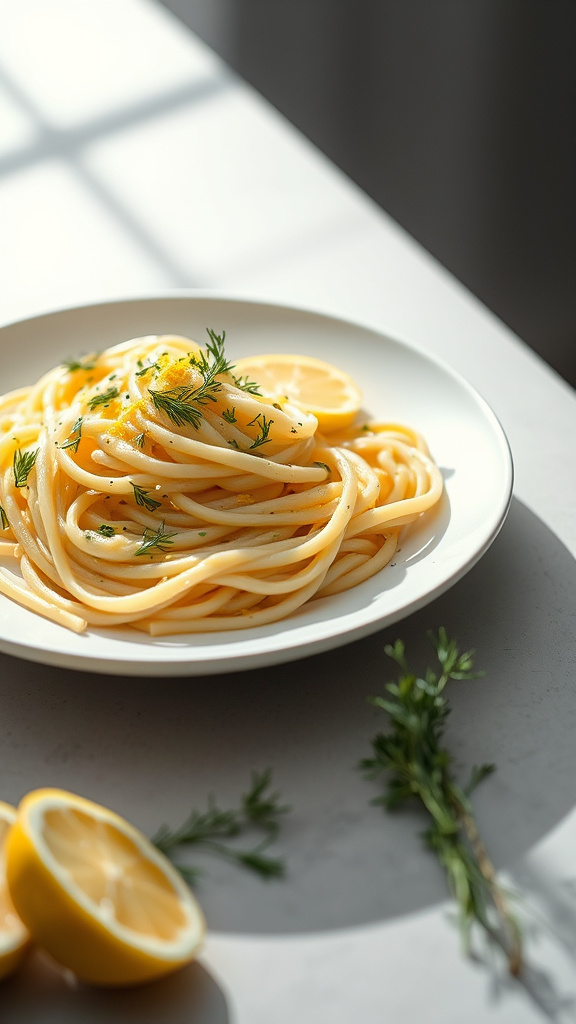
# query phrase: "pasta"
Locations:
[[148, 485]]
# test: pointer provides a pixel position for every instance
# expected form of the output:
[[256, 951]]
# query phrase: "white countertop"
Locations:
[[134, 163]]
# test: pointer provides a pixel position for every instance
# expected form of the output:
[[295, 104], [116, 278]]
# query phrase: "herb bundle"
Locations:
[[418, 766]]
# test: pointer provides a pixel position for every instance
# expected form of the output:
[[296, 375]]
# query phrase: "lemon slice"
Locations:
[[96, 894], [14, 936], [311, 384]]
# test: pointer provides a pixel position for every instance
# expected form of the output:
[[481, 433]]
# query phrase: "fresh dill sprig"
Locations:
[[181, 404], [141, 498], [215, 363], [229, 415], [215, 347], [73, 442], [157, 540], [264, 428], [250, 386], [259, 809], [4, 524], [106, 530], [22, 463], [175, 402], [106, 396], [419, 767], [71, 365]]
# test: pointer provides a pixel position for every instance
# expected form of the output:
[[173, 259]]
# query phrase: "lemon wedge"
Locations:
[[14, 936], [311, 384], [96, 894]]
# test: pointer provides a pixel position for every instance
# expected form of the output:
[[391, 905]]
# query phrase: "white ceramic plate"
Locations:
[[399, 383]]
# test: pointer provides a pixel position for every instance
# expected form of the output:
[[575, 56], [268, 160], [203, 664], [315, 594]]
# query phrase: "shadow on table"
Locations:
[[41, 994], [155, 748]]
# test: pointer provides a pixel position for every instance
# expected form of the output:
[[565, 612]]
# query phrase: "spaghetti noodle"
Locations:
[[148, 485]]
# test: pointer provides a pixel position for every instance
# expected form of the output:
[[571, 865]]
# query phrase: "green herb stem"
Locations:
[[212, 828], [418, 766]]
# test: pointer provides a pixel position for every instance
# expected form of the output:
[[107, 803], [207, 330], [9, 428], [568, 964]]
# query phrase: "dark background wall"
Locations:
[[456, 116]]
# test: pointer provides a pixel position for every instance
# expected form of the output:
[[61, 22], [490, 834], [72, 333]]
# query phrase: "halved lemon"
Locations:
[[14, 936], [311, 384], [96, 894]]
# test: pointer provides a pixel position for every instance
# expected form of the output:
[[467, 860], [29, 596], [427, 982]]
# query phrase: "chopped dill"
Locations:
[[22, 463], [229, 415], [157, 540], [106, 396], [264, 428], [141, 498], [4, 524], [250, 386], [73, 442], [151, 366], [72, 365]]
